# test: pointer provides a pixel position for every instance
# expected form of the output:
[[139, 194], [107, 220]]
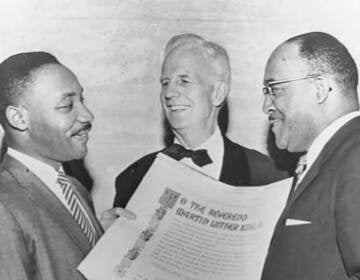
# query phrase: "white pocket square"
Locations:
[[294, 222]]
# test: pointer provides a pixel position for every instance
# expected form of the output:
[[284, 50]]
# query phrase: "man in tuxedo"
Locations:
[[310, 87], [47, 219], [195, 81]]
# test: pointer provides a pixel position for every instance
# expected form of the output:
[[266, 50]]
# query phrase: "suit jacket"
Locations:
[[39, 237], [327, 248], [241, 167]]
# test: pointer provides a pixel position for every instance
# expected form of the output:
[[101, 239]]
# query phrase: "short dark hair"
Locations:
[[327, 55], [15, 74]]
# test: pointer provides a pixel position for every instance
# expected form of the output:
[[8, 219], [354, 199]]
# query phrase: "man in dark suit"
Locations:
[[195, 82], [310, 88], [47, 219]]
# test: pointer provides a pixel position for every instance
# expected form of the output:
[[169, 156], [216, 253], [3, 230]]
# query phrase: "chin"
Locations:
[[79, 154], [281, 145], [178, 125], [296, 149]]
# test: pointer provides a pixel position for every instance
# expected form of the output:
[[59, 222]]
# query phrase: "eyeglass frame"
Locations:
[[267, 90]]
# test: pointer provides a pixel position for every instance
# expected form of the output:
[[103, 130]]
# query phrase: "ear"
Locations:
[[16, 117], [323, 88], [221, 90]]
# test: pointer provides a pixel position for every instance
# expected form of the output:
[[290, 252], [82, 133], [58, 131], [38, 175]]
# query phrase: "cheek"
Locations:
[[68, 129], [163, 102], [287, 109], [305, 126], [292, 124], [204, 100], [59, 128], [162, 96], [299, 133]]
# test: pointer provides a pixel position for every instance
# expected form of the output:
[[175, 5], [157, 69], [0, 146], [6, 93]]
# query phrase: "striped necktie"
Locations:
[[75, 208], [299, 170]]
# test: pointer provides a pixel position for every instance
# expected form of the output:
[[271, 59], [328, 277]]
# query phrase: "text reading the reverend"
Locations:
[[216, 219]]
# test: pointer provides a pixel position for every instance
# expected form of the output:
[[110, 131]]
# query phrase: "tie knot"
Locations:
[[178, 152], [300, 166], [62, 179]]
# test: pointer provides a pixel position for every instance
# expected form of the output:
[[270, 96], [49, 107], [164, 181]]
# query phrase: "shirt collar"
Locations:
[[321, 140], [212, 144], [45, 172]]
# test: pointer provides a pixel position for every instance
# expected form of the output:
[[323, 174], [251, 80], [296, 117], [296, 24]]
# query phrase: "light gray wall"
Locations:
[[115, 48]]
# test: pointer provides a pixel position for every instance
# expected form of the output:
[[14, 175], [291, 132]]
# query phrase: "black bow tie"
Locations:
[[178, 152]]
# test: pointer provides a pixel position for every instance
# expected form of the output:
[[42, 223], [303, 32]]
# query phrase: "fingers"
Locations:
[[109, 216], [120, 212]]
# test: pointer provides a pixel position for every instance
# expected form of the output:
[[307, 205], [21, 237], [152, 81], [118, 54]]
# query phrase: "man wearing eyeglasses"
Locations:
[[310, 87], [195, 82]]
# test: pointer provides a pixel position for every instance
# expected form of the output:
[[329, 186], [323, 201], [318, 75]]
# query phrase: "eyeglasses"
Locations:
[[269, 91]]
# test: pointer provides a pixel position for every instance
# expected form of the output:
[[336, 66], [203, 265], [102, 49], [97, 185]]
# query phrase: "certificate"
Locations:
[[189, 226]]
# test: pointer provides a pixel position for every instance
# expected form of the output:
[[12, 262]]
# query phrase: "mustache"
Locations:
[[85, 127], [274, 115], [270, 118]]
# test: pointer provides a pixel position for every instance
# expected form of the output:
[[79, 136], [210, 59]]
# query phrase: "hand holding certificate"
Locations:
[[189, 226]]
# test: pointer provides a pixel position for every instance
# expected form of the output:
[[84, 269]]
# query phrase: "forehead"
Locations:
[[285, 63], [189, 61], [54, 80]]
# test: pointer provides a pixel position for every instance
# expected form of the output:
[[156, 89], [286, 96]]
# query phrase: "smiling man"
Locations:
[[310, 88], [195, 81], [47, 220]]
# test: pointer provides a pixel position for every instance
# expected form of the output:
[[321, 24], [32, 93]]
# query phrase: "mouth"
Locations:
[[274, 121], [177, 107], [83, 133]]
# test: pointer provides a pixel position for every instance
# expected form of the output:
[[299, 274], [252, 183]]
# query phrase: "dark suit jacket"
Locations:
[[329, 198], [39, 239], [241, 167]]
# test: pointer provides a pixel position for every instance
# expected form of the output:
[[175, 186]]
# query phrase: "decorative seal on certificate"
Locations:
[[167, 201]]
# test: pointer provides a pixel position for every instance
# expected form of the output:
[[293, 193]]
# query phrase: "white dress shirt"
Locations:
[[47, 174], [324, 137], [215, 148]]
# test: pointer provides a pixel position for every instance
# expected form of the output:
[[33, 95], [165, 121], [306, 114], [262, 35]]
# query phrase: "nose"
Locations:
[[85, 114], [268, 105], [170, 91]]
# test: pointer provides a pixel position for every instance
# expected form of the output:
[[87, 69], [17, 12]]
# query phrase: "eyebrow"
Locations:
[[71, 94], [68, 94]]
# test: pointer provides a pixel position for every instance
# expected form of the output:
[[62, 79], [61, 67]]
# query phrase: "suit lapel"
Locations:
[[235, 168], [309, 177], [305, 183], [43, 197], [327, 152]]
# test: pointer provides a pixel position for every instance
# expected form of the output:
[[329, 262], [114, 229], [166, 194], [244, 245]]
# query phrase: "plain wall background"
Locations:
[[115, 48]]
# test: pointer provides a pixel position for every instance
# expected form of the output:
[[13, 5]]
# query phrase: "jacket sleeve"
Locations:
[[16, 262], [129, 179], [347, 213]]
